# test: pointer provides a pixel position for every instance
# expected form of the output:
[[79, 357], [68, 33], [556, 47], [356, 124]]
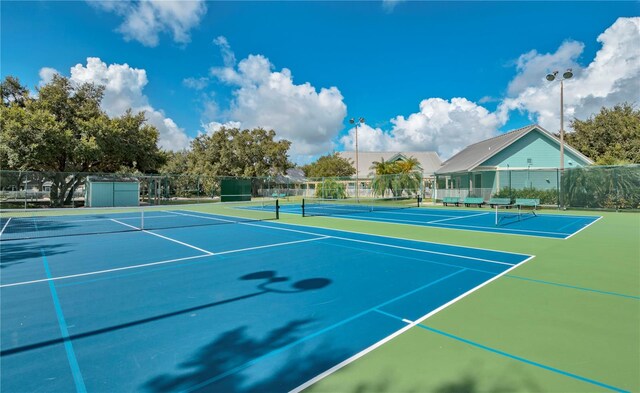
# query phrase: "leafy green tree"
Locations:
[[397, 177], [610, 137], [176, 162], [183, 183], [383, 167], [65, 133], [331, 165], [12, 92], [602, 187], [330, 188], [246, 153]]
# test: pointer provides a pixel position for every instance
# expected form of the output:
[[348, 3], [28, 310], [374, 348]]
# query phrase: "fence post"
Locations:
[[616, 190], [559, 188], [26, 182]]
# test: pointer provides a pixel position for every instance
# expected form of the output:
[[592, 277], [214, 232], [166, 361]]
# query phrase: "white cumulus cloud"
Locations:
[[46, 75], [145, 20], [214, 126], [124, 87], [442, 126], [308, 117], [612, 77]]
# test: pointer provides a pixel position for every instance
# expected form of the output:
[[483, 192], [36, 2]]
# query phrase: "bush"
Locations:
[[546, 197], [331, 189]]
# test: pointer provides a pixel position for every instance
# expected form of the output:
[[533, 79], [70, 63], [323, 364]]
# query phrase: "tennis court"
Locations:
[[504, 221], [248, 306]]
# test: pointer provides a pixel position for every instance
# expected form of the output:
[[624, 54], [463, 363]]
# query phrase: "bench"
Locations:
[[473, 201], [453, 200], [276, 195], [493, 202], [522, 202]]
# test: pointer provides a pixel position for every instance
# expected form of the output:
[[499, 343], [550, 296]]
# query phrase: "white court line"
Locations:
[[273, 245], [587, 226], [4, 226], [165, 237], [509, 231], [460, 217], [374, 235], [161, 262], [424, 251], [415, 212], [399, 332], [206, 218], [424, 224], [103, 271], [400, 247]]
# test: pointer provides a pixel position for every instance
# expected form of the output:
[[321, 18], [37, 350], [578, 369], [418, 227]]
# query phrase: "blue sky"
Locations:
[[425, 75]]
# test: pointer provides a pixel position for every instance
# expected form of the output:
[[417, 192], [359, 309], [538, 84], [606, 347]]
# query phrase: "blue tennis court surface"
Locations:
[[540, 225], [243, 307]]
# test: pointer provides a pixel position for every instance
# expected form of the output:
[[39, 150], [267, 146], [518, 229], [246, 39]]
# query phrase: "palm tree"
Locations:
[[382, 167], [397, 177], [382, 181], [409, 178]]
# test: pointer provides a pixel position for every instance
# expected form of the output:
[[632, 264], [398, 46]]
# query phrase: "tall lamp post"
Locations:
[[356, 124], [551, 77]]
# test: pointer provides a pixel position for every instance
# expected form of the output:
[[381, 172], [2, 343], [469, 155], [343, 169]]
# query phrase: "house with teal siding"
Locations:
[[526, 158]]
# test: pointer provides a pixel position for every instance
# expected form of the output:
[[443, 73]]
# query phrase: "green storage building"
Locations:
[[105, 191]]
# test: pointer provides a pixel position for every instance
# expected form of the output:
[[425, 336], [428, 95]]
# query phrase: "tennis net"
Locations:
[[331, 207], [37, 223]]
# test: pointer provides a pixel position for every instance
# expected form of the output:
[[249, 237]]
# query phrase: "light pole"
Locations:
[[551, 77], [356, 124]]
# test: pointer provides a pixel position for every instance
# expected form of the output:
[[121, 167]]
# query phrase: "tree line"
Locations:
[[62, 130]]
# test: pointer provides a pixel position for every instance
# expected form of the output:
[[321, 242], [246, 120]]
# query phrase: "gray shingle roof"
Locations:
[[477, 153], [429, 160]]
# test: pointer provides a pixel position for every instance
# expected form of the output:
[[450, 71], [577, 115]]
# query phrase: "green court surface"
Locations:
[[566, 321]]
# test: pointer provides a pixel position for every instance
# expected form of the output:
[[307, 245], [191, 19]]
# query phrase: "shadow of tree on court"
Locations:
[[513, 378], [218, 366], [17, 253], [269, 282]]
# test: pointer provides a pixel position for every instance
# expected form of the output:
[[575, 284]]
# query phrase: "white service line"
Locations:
[[397, 333], [587, 226], [508, 231], [373, 235], [412, 212], [161, 262], [104, 271], [165, 237], [273, 245], [205, 217], [399, 247], [426, 224], [424, 251], [458, 218], [5, 225]]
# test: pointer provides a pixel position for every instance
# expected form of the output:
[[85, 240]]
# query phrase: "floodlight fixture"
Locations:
[[568, 74]]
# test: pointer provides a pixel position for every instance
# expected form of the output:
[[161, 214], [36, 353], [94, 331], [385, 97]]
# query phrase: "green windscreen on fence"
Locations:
[[235, 190]]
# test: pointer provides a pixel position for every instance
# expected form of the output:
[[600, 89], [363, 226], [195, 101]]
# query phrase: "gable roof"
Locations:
[[429, 160], [477, 153]]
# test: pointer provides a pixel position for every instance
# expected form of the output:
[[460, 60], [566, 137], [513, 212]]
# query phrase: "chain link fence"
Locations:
[[593, 187], [26, 189]]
